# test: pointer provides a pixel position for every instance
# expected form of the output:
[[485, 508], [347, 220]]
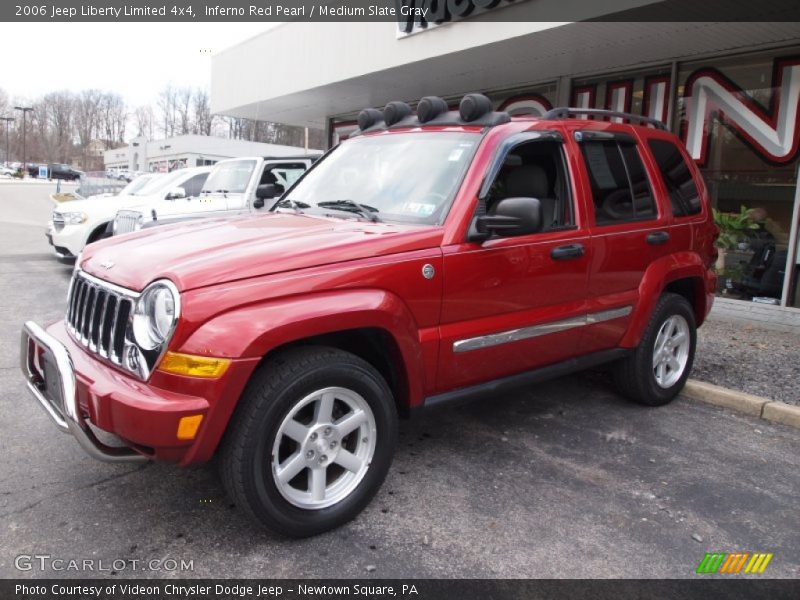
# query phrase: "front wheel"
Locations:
[[311, 441], [658, 368]]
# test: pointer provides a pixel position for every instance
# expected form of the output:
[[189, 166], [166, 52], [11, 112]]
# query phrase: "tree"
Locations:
[[167, 104], [145, 121], [203, 119], [114, 118]]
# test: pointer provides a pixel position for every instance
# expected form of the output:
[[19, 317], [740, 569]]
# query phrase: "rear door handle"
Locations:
[[657, 238], [567, 252]]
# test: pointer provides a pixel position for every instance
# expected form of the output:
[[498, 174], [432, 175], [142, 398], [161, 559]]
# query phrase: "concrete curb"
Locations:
[[763, 408]]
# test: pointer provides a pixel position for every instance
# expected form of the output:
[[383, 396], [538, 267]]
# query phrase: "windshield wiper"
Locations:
[[366, 211]]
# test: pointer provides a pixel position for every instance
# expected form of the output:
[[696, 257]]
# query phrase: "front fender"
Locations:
[[253, 331], [660, 273]]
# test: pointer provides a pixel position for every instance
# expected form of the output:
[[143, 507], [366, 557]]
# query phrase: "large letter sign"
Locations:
[[772, 132]]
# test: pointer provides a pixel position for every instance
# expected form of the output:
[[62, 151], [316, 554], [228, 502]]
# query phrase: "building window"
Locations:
[[733, 115]]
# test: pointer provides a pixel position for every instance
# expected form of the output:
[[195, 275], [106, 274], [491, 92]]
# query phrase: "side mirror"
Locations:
[[176, 193], [510, 217], [266, 191]]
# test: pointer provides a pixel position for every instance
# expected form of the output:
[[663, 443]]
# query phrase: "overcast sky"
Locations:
[[133, 59]]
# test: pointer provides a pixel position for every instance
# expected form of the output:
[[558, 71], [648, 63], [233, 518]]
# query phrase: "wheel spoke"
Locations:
[[290, 468], [316, 483], [673, 364], [324, 409], [295, 430], [660, 371], [679, 339], [349, 461], [350, 422]]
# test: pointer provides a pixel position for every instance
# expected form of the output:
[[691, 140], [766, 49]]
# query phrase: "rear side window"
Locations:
[[620, 189], [683, 193]]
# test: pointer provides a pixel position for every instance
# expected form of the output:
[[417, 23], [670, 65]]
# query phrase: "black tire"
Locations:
[[100, 233], [634, 375], [275, 389]]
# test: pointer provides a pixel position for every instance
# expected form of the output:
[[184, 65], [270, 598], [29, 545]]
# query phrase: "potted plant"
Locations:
[[733, 229]]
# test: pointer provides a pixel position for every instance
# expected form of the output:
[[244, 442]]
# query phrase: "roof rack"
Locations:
[[564, 112]]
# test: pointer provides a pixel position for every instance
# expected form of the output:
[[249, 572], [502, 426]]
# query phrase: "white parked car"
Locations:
[[80, 222], [231, 188]]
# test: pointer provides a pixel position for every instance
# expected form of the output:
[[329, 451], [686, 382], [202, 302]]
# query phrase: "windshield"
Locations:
[[404, 177], [230, 177], [137, 184], [158, 183]]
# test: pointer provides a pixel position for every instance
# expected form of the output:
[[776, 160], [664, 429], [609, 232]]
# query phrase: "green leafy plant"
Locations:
[[733, 227]]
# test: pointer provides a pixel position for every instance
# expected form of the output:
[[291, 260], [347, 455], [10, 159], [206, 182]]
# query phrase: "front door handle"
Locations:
[[657, 238], [567, 252]]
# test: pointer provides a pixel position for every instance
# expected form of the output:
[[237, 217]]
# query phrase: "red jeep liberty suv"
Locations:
[[435, 256]]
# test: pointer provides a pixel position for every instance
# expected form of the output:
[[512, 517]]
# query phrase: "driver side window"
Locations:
[[536, 169]]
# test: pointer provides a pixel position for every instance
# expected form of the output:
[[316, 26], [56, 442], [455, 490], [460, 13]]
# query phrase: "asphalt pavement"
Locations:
[[565, 479]]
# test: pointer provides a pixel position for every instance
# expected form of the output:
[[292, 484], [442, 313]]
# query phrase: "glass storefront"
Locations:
[[737, 117]]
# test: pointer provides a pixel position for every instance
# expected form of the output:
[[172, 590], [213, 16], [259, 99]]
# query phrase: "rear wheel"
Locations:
[[658, 368], [311, 441]]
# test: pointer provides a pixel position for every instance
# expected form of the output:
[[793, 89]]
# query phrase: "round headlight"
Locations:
[[155, 315]]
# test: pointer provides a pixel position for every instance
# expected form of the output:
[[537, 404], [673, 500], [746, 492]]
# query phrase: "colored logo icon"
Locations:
[[724, 563]]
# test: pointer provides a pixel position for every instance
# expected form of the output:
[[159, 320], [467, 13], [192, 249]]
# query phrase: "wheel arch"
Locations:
[[96, 233], [372, 324], [682, 274]]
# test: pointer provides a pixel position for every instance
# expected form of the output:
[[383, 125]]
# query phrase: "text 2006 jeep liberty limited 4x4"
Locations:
[[434, 256]]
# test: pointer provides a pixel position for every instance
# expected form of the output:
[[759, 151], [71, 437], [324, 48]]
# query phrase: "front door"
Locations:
[[512, 304]]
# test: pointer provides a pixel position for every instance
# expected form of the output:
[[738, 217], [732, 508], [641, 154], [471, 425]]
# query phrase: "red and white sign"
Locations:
[[771, 132], [532, 104]]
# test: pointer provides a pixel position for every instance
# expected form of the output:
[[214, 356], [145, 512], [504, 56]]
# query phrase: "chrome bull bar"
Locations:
[[63, 409]]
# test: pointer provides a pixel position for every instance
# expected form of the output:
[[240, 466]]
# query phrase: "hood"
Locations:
[[92, 204], [193, 205], [211, 251]]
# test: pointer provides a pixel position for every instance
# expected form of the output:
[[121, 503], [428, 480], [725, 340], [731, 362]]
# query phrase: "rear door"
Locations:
[[628, 230]]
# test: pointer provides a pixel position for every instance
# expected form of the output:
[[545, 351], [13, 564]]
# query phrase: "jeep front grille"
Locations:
[[58, 221], [98, 314]]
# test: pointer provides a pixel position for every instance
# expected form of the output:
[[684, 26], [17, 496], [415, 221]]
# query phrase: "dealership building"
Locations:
[[162, 156], [730, 90]]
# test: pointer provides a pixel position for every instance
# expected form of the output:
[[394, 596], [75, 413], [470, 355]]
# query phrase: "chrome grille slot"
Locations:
[[126, 222], [120, 324], [98, 314]]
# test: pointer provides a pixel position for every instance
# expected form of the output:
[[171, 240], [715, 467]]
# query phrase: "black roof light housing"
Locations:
[[430, 107], [475, 109], [370, 118], [474, 106], [396, 111]]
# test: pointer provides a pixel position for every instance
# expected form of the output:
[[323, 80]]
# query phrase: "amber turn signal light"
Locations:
[[188, 426], [194, 366]]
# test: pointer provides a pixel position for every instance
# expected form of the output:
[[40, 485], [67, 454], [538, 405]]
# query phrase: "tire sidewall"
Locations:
[[669, 306], [279, 513]]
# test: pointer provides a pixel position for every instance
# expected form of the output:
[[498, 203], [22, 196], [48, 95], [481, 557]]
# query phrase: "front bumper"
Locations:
[[50, 376], [90, 399]]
